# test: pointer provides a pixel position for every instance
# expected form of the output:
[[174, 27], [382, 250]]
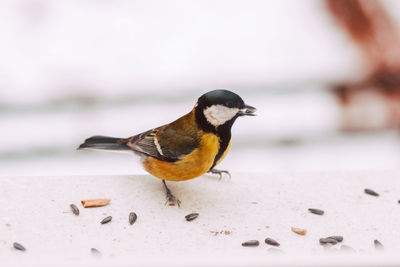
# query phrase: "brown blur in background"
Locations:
[[324, 76]]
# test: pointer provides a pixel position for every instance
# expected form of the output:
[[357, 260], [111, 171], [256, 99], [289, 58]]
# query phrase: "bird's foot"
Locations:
[[220, 173], [171, 199]]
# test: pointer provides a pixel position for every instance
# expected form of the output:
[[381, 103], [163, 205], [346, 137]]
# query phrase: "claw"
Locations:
[[220, 172], [172, 201]]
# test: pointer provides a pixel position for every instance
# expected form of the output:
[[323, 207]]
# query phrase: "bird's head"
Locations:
[[220, 108]]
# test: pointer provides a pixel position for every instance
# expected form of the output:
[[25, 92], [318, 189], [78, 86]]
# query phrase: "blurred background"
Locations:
[[324, 76]]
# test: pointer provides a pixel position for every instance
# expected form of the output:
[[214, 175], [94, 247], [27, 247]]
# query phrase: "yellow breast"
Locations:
[[188, 167]]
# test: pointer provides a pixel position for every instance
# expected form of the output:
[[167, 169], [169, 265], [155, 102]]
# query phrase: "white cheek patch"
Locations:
[[219, 114]]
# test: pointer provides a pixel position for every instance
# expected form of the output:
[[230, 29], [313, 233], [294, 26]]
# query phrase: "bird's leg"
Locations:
[[171, 199], [219, 172]]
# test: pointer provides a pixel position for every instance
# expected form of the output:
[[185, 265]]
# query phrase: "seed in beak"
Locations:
[[247, 110]]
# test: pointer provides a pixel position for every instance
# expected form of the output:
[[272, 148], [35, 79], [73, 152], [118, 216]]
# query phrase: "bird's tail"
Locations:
[[99, 142]]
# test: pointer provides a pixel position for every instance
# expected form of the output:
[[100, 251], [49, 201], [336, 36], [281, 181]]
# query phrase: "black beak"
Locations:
[[247, 111]]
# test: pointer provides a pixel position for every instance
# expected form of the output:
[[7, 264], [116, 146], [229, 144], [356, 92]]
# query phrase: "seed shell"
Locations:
[[316, 211], [371, 192], [272, 242], [98, 202], [74, 209], [191, 216], [18, 246], [106, 220], [251, 243], [132, 218], [299, 231]]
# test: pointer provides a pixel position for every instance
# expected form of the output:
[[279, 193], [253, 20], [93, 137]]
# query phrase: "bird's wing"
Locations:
[[164, 143]]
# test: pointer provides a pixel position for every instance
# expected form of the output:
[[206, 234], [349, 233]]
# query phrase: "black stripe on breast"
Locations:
[[224, 134]]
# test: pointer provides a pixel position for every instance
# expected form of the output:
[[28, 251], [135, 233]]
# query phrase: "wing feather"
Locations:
[[165, 143]]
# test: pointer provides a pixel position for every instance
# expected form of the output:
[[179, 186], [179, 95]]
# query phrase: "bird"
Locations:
[[187, 147]]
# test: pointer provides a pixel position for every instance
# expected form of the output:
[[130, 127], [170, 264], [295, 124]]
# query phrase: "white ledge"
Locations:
[[35, 212]]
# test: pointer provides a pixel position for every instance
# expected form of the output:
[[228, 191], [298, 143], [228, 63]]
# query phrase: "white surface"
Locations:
[[37, 210]]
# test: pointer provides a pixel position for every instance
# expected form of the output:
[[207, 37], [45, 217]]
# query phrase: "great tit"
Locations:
[[187, 147]]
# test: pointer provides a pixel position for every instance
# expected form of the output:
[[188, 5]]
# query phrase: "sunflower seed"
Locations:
[[95, 252], [74, 209], [18, 246], [251, 243], [338, 238], [106, 220], [191, 216], [378, 245], [371, 192], [272, 242], [316, 211], [327, 240], [132, 218], [347, 248]]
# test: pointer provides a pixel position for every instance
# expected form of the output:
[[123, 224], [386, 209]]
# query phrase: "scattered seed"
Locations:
[[74, 209], [378, 245], [272, 242], [347, 248], [132, 218], [338, 238], [191, 216], [398, 201], [106, 220], [251, 243], [328, 240], [316, 211], [371, 192], [299, 231], [96, 252], [18, 246]]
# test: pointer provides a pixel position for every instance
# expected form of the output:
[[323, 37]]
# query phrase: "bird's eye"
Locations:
[[229, 104]]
